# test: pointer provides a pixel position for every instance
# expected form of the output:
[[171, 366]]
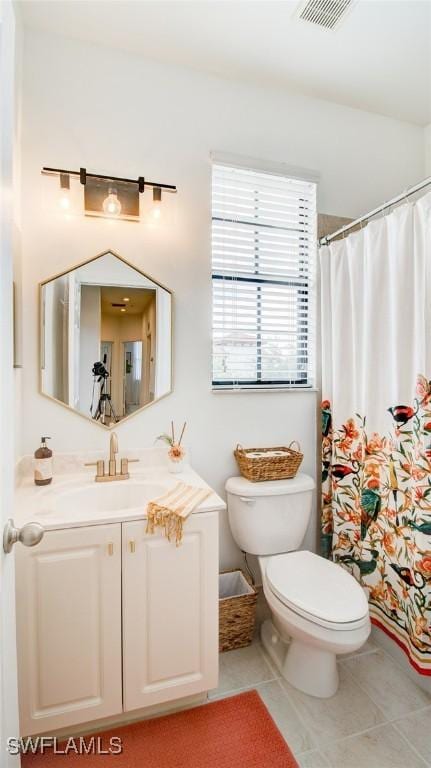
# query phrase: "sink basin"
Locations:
[[107, 497]]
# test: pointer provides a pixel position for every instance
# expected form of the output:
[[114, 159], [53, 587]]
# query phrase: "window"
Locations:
[[263, 246]]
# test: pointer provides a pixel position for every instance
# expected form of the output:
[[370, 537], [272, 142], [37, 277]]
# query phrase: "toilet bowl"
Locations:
[[318, 609]]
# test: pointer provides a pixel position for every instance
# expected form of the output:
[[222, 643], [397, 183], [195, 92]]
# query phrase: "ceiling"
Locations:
[[138, 300], [377, 59]]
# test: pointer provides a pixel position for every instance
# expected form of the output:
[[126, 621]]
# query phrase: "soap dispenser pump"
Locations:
[[43, 463]]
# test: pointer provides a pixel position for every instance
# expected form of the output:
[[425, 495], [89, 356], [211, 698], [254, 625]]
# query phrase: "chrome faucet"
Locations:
[[113, 474]]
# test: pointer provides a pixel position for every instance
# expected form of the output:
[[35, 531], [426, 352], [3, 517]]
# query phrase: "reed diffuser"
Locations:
[[176, 452]]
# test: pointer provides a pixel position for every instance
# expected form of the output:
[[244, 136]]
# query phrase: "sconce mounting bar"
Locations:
[[83, 175]]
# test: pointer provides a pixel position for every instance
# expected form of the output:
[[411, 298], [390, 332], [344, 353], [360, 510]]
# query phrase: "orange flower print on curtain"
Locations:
[[376, 516]]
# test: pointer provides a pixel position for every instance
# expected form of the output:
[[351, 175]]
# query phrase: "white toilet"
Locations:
[[318, 609]]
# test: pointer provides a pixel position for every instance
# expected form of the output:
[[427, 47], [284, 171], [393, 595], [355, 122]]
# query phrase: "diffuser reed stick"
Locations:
[[182, 433]]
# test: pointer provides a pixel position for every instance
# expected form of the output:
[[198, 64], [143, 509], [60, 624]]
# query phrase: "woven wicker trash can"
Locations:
[[237, 610]]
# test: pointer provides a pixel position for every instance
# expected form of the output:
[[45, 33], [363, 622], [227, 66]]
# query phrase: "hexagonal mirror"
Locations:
[[106, 339]]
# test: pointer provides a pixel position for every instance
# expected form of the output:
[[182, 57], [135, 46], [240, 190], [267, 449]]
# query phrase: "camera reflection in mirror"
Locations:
[[106, 339]]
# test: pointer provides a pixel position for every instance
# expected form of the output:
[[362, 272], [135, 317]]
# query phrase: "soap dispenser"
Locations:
[[43, 463]]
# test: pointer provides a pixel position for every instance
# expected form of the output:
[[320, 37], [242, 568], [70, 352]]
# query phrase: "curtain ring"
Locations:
[[384, 209], [407, 194]]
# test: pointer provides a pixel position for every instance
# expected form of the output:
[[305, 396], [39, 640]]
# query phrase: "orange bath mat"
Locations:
[[237, 732]]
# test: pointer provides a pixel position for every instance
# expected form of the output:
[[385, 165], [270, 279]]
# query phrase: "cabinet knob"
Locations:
[[110, 548], [132, 546]]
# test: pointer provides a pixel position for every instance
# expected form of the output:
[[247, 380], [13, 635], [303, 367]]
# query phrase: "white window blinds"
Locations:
[[263, 247]]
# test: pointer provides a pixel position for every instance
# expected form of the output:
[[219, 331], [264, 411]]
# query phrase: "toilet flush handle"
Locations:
[[248, 500]]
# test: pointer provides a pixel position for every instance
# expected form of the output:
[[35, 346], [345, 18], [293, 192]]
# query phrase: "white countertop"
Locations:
[[53, 507]]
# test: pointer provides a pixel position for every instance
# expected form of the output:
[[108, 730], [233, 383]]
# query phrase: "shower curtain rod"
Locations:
[[410, 191]]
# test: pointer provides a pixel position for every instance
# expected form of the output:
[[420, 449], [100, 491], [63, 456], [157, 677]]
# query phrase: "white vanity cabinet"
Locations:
[[69, 627], [111, 619], [170, 616]]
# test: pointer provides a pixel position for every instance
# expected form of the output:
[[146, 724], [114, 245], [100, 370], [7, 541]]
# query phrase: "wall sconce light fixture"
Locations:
[[157, 203], [64, 195], [110, 196]]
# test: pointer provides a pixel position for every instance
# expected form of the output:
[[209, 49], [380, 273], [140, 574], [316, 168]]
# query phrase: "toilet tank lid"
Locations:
[[240, 486]]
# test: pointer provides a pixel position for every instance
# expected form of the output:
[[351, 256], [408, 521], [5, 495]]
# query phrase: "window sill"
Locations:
[[259, 390]]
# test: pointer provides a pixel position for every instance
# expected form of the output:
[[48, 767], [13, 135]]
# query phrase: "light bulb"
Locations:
[[64, 199], [111, 203], [64, 194], [156, 211]]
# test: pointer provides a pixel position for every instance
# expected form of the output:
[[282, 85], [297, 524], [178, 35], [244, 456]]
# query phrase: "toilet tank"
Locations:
[[270, 517]]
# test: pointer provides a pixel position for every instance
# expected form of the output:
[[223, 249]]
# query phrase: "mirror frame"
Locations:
[[42, 283]]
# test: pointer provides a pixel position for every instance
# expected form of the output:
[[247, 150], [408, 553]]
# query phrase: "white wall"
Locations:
[[54, 373], [428, 150], [114, 113]]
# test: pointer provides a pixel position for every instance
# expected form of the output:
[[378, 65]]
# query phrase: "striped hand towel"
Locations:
[[170, 510]]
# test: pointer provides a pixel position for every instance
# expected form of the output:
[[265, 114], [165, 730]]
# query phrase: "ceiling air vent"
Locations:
[[324, 13]]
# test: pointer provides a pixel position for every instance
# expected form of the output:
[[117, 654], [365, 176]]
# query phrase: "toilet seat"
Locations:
[[317, 589]]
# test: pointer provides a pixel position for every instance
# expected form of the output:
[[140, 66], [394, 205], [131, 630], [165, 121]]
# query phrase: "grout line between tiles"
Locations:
[[300, 718], [354, 735], [396, 661], [386, 720], [269, 661], [353, 677], [349, 656], [322, 747], [290, 699], [328, 745], [412, 712], [326, 764], [364, 733], [234, 691], [408, 742], [379, 706]]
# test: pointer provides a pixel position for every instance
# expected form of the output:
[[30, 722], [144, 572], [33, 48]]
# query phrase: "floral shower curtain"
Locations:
[[376, 419]]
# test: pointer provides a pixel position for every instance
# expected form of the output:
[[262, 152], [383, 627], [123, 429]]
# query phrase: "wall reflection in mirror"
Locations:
[[105, 339]]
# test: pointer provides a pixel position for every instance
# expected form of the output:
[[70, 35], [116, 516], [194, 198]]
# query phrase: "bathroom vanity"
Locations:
[[111, 620]]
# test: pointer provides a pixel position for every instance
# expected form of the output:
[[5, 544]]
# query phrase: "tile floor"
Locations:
[[378, 718]]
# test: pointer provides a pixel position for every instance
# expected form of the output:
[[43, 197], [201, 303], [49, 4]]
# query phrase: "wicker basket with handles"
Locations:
[[278, 463]]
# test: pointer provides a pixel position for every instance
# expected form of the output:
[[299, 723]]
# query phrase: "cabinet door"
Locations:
[[69, 628], [170, 612]]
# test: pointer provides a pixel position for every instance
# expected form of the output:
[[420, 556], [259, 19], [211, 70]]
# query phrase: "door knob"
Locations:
[[29, 535]]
